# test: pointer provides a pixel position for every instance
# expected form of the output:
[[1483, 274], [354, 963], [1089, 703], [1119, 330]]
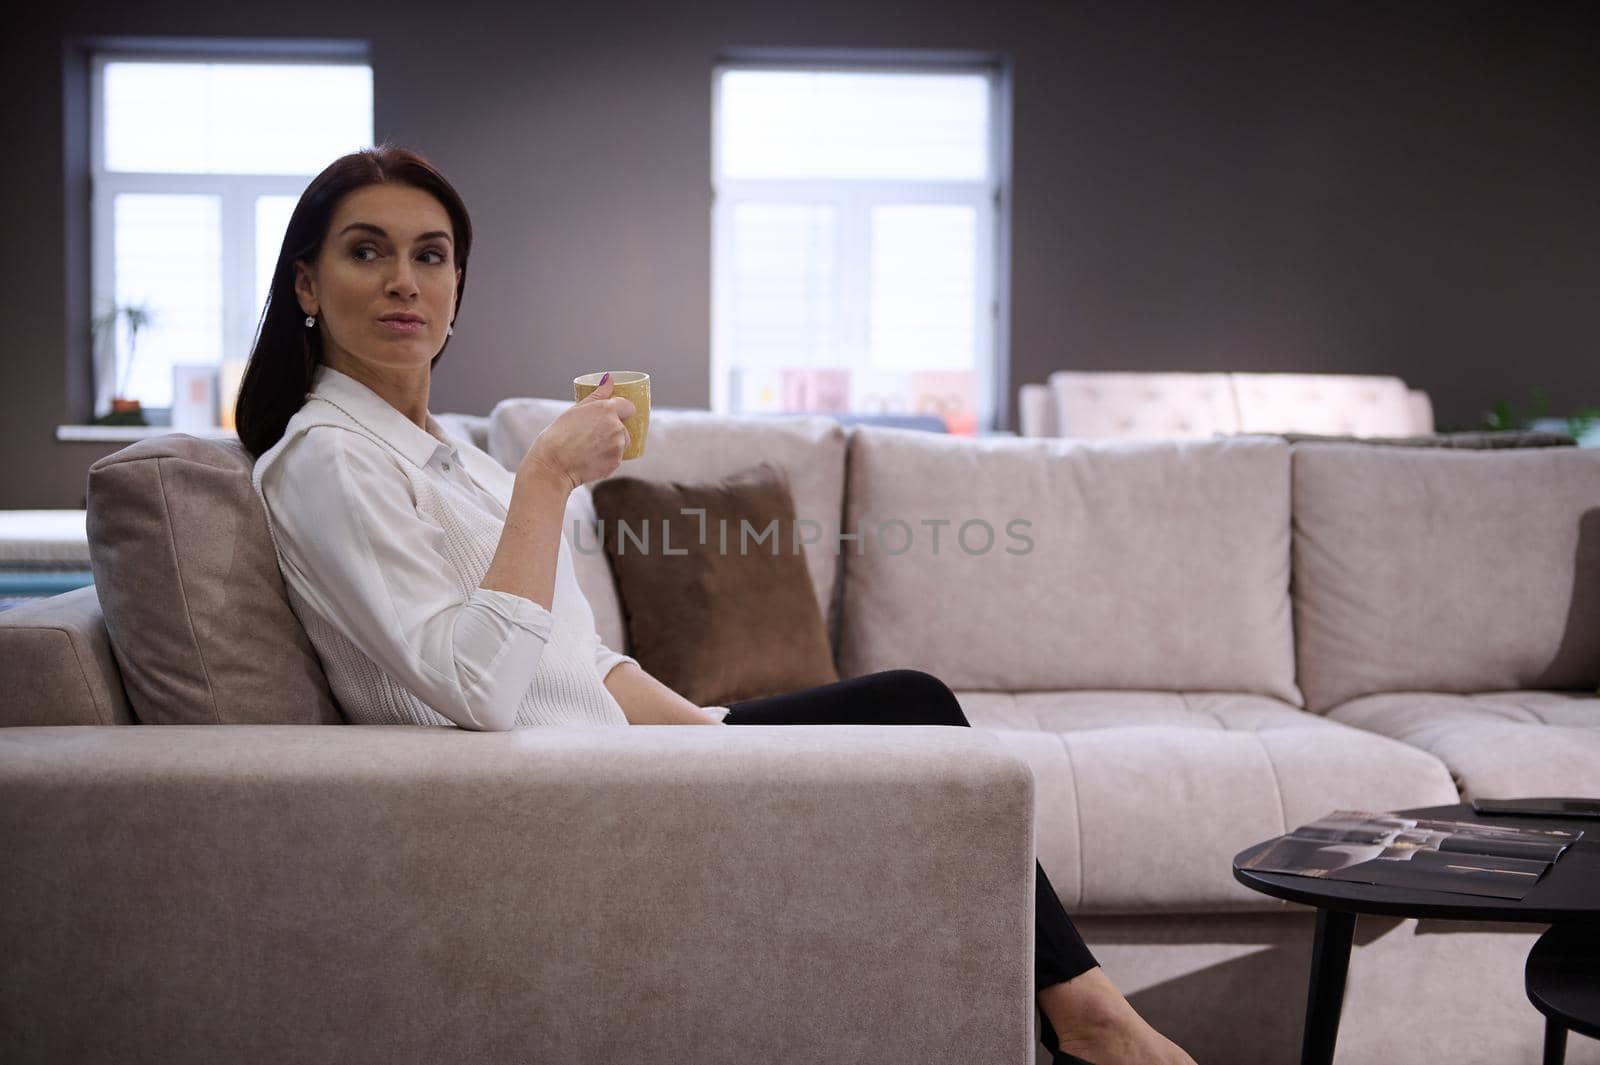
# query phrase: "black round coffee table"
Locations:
[[1569, 894], [1563, 980]]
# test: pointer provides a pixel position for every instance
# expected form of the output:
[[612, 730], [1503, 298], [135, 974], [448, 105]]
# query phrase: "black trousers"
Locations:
[[909, 697]]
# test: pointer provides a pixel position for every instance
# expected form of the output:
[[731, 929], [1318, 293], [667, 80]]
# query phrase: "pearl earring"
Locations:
[[449, 330], [311, 321]]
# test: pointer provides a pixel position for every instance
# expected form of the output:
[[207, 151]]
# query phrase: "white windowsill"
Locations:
[[129, 433]]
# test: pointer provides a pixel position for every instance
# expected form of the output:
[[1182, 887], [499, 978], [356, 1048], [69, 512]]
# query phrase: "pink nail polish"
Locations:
[[604, 377]]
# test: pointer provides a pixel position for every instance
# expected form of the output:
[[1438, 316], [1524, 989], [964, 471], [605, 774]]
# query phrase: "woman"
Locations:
[[436, 586]]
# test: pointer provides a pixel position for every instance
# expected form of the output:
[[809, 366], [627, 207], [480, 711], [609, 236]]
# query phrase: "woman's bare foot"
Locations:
[[1095, 1022]]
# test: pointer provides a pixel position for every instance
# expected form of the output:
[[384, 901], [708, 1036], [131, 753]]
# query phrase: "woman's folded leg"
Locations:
[[894, 697]]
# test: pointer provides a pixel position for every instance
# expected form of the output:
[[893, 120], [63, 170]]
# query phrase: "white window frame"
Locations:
[[236, 195], [854, 200]]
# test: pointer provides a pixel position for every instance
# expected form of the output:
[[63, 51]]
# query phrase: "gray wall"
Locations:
[[1350, 187]]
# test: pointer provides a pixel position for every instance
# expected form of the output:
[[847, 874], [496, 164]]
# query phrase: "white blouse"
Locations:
[[383, 532]]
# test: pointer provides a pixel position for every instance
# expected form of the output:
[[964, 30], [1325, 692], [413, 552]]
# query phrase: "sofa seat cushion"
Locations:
[[1076, 711], [697, 446], [1143, 798], [1497, 745]]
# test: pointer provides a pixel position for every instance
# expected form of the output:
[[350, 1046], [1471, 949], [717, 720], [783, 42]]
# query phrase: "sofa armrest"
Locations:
[[410, 894], [1036, 411], [56, 657], [1419, 408]]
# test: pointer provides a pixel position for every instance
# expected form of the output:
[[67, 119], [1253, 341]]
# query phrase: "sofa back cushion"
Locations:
[[697, 446], [1446, 571], [1119, 564], [191, 592], [473, 428], [1335, 404], [1166, 405]]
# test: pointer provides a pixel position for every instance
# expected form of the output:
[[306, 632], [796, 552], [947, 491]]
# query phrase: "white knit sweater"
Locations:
[[383, 532]]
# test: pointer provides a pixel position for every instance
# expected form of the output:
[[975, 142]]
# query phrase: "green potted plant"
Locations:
[[1504, 417], [125, 410]]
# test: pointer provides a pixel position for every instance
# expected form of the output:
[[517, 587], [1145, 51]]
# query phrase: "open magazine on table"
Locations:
[[1415, 852]]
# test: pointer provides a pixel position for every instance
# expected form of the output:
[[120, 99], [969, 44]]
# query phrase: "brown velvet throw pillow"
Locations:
[[730, 618]]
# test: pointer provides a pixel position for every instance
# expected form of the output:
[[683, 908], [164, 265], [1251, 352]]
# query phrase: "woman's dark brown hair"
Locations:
[[287, 354]]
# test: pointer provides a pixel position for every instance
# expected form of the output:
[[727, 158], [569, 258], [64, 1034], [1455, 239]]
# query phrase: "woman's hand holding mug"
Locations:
[[586, 442]]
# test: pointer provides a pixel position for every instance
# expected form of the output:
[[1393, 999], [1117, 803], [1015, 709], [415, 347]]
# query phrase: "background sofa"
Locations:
[[1206, 644], [1179, 405]]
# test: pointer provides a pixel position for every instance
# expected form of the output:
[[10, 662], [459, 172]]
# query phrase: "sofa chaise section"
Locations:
[[1496, 744], [1143, 795]]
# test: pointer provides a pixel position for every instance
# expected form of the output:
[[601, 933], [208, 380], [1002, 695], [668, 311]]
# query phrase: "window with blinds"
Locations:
[[855, 242], [196, 166]]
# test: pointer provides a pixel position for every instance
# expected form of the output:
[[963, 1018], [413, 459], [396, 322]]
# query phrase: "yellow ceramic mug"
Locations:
[[632, 386]]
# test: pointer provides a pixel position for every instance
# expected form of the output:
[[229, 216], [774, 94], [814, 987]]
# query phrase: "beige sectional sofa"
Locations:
[[1192, 645]]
